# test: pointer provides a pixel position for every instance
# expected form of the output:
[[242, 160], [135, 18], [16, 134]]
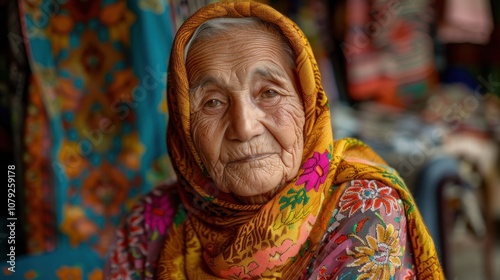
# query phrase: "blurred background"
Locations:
[[83, 117]]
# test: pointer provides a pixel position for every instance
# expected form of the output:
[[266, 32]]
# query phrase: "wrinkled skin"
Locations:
[[247, 118]]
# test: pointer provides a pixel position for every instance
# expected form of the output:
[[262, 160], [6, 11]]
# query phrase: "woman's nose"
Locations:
[[245, 121]]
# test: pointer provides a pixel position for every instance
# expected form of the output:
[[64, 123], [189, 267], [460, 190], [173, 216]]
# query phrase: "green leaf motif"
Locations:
[[180, 216], [409, 207], [333, 188], [293, 198], [305, 247], [353, 142], [394, 179], [155, 235]]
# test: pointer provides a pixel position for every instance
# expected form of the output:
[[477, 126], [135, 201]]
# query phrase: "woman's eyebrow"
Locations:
[[207, 80], [267, 72], [270, 72]]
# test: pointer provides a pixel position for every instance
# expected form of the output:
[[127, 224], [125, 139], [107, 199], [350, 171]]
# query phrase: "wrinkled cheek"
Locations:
[[292, 152], [289, 127], [295, 136], [207, 141]]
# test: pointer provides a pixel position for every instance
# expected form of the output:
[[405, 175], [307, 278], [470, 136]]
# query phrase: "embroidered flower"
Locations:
[[158, 214], [380, 257], [366, 194], [315, 171]]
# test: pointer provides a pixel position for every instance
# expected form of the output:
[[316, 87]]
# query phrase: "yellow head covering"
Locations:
[[214, 235]]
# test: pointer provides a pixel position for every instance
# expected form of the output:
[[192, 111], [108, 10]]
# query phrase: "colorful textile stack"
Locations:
[[388, 51]]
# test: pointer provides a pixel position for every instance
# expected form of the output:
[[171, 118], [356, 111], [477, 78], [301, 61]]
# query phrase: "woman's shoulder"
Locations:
[[367, 230], [362, 201]]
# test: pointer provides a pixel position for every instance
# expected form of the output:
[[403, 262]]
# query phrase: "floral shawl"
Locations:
[[214, 236]]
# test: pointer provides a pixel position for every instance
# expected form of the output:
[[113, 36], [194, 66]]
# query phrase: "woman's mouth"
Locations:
[[251, 158]]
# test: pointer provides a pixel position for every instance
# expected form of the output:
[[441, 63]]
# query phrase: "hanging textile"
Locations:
[[95, 127]]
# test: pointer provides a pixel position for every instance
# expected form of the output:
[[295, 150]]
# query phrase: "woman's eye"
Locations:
[[212, 103], [269, 93]]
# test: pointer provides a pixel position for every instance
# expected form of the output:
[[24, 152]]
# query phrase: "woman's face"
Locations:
[[246, 116]]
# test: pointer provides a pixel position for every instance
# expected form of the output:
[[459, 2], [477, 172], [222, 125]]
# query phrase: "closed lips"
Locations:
[[251, 158]]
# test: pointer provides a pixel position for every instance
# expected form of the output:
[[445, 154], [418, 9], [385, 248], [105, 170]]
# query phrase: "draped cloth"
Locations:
[[215, 236], [94, 127]]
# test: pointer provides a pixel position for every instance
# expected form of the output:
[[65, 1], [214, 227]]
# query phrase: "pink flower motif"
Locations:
[[367, 194], [315, 171], [158, 214]]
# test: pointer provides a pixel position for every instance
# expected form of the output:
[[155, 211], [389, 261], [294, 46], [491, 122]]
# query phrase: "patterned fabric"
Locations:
[[212, 235], [95, 126], [366, 236]]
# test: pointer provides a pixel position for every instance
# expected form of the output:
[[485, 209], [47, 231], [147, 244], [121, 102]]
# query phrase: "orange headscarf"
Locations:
[[214, 235]]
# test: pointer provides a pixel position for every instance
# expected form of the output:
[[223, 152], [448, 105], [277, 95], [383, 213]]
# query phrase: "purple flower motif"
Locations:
[[158, 214], [315, 171]]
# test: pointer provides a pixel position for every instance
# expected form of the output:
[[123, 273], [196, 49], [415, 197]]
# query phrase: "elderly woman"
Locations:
[[263, 190]]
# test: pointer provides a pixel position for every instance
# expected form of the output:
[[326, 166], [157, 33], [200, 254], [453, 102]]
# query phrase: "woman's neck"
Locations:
[[260, 198]]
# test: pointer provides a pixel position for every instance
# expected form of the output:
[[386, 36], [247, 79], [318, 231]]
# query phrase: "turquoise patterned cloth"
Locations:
[[95, 127]]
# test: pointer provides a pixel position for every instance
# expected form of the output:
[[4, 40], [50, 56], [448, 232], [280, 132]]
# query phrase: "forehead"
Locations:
[[235, 28], [237, 49], [244, 37]]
